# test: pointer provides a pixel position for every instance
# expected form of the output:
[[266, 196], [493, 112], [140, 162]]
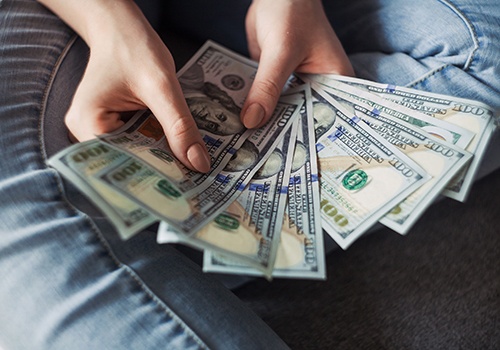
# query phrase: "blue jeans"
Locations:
[[67, 280]]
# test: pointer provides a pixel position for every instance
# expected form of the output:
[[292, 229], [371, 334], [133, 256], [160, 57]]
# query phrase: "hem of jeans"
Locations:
[[130, 272], [472, 30]]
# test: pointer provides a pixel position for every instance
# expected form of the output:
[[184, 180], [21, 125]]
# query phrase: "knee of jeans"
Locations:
[[482, 64], [429, 31], [444, 35], [413, 39], [469, 44], [474, 37]]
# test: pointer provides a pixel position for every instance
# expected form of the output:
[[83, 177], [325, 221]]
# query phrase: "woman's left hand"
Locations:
[[287, 36]]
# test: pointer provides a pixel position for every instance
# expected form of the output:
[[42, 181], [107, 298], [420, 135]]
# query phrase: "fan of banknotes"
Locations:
[[337, 156]]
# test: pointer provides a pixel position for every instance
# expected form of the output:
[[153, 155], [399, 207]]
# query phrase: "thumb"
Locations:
[[273, 72], [169, 106]]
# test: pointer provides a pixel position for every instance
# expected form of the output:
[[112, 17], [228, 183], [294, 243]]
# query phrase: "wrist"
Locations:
[[95, 20], [113, 21]]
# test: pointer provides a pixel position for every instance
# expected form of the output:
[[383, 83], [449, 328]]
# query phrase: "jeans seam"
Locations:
[[46, 93], [472, 54], [427, 76], [472, 31], [129, 271]]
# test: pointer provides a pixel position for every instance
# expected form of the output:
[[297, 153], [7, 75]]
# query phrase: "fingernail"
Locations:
[[253, 115], [198, 158]]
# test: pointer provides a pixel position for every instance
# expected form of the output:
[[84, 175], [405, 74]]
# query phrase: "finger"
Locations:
[[328, 58], [83, 127], [252, 40], [169, 105], [273, 72]]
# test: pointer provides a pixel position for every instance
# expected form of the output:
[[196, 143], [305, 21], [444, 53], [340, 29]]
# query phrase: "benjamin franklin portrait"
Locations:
[[245, 158], [212, 108], [273, 165], [324, 118]]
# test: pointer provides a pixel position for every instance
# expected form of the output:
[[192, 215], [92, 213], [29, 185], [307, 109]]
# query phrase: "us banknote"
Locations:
[[80, 162], [300, 252], [441, 159], [468, 114], [188, 211], [362, 176], [248, 231], [259, 213], [449, 132]]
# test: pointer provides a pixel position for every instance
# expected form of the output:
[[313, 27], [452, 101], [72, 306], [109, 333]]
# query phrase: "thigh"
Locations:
[[67, 281], [436, 45]]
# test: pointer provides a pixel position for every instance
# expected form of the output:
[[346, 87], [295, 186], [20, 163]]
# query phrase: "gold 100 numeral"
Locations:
[[328, 209]]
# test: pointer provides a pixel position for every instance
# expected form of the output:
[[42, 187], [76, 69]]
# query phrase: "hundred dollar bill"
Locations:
[[251, 225], [188, 211], [79, 163], [449, 132], [248, 231], [143, 137], [441, 159], [215, 83], [362, 175], [303, 219], [472, 115], [301, 250]]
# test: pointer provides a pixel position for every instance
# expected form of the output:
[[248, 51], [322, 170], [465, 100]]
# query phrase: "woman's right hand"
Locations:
[[129, 68]]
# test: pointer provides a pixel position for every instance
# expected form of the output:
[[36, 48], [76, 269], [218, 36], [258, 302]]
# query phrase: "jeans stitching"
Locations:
[[46, 93], [470, 26], [472, 54], [130, 272], [427, 76]]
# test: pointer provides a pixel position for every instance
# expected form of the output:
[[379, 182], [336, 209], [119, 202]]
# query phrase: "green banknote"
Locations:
[[259, 211], [362, 175], [449, 132], [441, 159], [468, 114], [80, 162], [188, 211], [300, 253]]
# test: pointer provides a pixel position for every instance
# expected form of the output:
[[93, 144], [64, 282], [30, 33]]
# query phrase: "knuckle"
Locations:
[[70, 120], [268, 89], [75, 128], [182, 127], [73, 122]]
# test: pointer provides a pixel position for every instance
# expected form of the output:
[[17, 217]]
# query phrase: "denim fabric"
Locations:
[[447, 47], [66, 280]]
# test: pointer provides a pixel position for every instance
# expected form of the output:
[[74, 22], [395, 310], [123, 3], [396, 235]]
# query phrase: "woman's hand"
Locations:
[[287, 36], [129, 68]]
